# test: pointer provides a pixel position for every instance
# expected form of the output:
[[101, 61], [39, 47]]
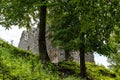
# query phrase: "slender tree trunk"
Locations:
[[67, 55], [42, 39], [82, 58]]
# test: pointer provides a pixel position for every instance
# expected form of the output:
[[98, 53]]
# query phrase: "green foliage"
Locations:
[[18, 12], [70, 68], [93, 71], [100, 72], [114, 61], [84, 25], [95, 19], [16, 64]]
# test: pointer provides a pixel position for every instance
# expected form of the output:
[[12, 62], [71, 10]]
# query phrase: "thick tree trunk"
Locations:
[[82, 58], [42, 39], [67, 55]]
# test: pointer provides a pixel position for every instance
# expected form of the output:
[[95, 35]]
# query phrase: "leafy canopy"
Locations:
[[23, 13], [95, 19]]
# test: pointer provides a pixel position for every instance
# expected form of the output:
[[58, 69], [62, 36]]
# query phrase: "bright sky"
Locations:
[[15, 33], [12, 34]]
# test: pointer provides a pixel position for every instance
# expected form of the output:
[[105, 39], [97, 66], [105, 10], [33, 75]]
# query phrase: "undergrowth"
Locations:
[[17, 64]]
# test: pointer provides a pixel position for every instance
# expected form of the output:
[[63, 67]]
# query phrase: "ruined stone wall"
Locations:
[[29, 41]]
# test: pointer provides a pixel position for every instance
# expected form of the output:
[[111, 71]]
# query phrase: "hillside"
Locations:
[[16, 64]]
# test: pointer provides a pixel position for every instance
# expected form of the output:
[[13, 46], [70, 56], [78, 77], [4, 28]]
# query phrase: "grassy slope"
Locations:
[[16, 64]]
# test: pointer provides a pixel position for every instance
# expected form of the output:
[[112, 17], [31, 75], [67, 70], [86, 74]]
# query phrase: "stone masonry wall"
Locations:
[[29, 41]]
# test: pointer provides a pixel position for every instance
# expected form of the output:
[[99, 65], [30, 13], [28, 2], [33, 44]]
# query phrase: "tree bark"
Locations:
[[67, 55], [42, 31], [82, 58]]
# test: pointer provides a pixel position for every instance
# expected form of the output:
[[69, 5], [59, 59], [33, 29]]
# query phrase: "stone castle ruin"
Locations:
[[29, 41]]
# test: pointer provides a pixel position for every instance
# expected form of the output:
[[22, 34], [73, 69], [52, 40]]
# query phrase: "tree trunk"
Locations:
[[82, 58], [67, 55], [42, 39]]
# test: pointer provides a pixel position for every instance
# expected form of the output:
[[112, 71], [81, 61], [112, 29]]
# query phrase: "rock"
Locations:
[[29, 41]]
